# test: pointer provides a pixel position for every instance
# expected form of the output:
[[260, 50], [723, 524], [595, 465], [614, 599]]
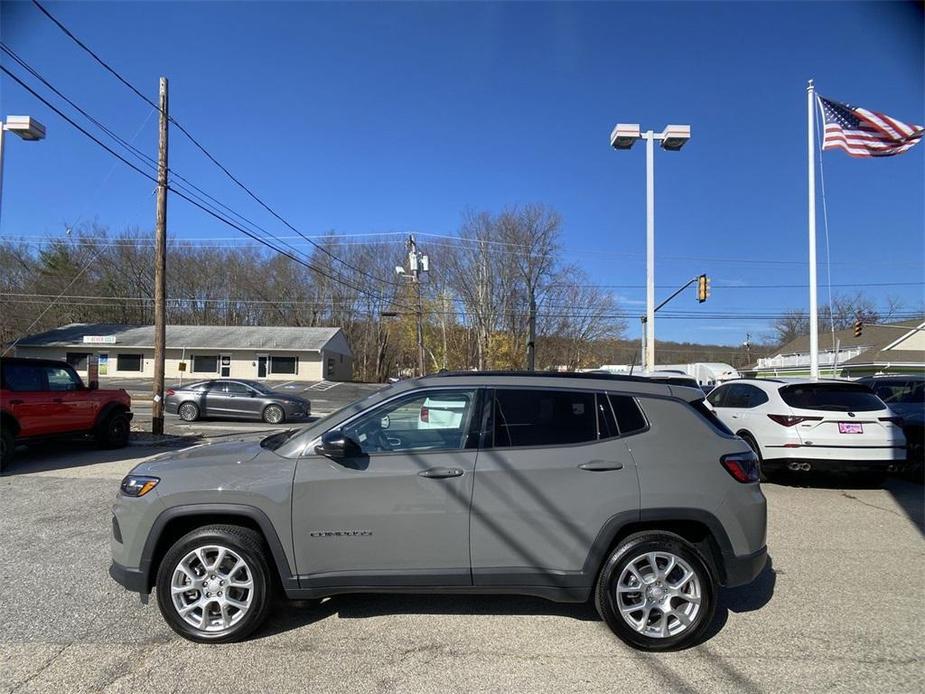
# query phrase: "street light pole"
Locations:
[[649, 361], [672, 138]]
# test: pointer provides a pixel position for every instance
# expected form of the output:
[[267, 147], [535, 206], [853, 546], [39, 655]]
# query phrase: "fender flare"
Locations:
[[277, 553], [616, 524], [108, 409], [7, 418]]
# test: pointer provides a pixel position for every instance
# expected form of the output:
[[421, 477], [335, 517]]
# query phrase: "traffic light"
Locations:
[[703, 288], [858, 327]]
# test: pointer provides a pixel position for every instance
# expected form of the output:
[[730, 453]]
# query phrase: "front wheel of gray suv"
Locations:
[[656, 593], [213, 585]]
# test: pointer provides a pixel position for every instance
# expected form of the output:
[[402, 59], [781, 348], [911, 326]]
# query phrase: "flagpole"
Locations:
[[811, 173]]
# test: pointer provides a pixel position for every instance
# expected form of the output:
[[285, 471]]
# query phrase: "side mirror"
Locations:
[[93, 385], [337, 446]]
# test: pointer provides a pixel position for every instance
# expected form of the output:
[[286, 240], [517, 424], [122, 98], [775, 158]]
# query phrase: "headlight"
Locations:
[[138, 485]]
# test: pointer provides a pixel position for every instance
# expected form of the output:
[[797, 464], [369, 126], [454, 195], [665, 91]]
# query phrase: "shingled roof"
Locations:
[[227, 337]]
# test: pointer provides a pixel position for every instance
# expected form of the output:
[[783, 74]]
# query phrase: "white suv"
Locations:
[[799, 425]]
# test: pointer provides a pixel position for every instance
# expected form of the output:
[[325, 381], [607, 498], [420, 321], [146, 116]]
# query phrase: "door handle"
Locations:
[[601, 465], [16, 402], [441, 472]]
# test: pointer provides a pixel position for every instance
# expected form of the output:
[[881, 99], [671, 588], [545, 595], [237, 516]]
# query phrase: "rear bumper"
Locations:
[[745, 569], [830, 465], [130, 579]]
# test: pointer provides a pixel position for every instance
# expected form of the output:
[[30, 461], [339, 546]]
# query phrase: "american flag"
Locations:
[[863, 133]]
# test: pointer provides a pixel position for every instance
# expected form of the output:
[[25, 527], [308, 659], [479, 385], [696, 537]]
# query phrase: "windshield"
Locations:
[[840, 397], [259, 387]]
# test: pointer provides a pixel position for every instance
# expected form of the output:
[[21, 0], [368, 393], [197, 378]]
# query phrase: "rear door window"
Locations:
[[839, 397], [543, 418], [23, 378]]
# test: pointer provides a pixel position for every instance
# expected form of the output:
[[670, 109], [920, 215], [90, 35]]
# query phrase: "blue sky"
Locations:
[[366, 118]]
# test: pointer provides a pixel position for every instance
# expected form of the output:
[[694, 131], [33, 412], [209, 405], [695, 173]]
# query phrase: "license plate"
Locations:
[[850, 428]]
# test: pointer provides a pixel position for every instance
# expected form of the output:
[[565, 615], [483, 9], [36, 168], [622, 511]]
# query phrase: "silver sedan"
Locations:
[[234, 399]]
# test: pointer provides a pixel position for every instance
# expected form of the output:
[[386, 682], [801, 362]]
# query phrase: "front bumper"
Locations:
[[745, 569]]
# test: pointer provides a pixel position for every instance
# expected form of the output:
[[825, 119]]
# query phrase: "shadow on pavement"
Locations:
[[288, 615], [747, 598]]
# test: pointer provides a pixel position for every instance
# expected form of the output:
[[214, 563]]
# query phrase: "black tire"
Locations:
[[763, 475], [7, 447], [270, 412], [114, 431], [628, 550], [188, 411], [249, 545]]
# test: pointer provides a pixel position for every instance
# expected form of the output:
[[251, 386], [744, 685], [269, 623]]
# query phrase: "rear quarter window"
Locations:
[[630, 419]]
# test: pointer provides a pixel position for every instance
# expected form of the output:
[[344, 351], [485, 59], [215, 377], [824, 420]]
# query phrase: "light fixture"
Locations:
[[27, 127], [624, 135]]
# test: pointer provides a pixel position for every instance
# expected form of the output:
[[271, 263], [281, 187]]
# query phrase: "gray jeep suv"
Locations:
[[565, 487]]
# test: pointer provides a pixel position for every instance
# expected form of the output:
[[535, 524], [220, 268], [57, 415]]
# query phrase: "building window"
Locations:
[[129, 362], [205, 364], [78, 360], [284, 365]]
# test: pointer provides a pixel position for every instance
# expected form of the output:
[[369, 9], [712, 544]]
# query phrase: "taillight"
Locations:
[[425, 414], [789, 420], [170, 391], [898, 421], [742, 466]]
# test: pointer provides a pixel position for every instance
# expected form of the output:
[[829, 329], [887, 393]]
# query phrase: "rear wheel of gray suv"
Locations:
[[213, 585], [655, 592], [188, 412]]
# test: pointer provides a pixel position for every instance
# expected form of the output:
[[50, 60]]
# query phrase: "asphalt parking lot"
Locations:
[[841, 610]]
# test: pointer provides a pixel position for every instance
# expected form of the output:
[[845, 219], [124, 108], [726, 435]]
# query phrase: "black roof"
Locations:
[[33, 362]]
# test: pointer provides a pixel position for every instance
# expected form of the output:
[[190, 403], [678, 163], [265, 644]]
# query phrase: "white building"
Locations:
[[199, 351]]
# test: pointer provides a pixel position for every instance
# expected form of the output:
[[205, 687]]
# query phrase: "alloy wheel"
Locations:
[[273, 414], [212, 588], [188, 412], [659, 594]]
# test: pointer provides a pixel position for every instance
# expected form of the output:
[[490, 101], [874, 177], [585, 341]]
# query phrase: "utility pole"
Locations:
[[160, 269], [531, 335], [417, 263]]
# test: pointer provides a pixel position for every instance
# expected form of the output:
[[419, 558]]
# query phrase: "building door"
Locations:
[[262, 366], [225, 369]]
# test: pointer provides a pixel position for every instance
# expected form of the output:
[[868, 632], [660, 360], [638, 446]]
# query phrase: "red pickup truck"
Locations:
[[41, 399]]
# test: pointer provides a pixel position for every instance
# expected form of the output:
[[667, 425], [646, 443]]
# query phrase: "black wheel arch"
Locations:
[[175, 522], [108, 410], [9, 422], [698, 527]]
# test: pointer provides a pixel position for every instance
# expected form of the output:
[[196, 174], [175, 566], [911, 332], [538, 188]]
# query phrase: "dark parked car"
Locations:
[[905, 395], [235, 399]]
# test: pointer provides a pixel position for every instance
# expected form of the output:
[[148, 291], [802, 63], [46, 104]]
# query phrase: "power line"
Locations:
[[149, 161], [203, 149], [184, 194]]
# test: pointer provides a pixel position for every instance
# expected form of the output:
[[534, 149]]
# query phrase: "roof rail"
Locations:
[[547, 374]]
